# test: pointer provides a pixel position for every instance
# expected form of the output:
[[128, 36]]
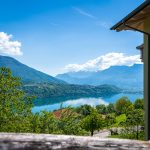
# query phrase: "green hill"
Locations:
[[70, 90], [27, 74]]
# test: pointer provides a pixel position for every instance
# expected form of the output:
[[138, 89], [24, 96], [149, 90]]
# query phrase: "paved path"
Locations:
[[102, 133], [10, 141]]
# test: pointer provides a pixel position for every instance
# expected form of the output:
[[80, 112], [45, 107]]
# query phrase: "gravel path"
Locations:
[[12, 141]]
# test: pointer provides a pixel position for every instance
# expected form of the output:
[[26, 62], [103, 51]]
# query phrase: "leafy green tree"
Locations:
[[15, 106], [110, 108], [93, 122], [47, 122], [139, 104], [35, 123], [122, 105], [69, 123], [102, 109], [135, 118], [109, 120], [120, 120], [84, 110]]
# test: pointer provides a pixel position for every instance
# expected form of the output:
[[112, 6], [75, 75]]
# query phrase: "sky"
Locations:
[[56, 36]]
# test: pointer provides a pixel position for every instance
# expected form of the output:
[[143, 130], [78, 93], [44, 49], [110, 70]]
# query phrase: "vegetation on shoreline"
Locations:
[[16, 115], [47, 90]]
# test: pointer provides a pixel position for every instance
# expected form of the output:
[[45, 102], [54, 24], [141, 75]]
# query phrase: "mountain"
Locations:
[[45, 86], [27, 74], [127, 77]]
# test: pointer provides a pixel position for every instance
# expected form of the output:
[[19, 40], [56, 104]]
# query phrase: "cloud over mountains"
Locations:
[[104, 62], [8, 46]]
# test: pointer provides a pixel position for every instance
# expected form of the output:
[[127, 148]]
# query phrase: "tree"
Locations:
[[92, 122], [15, 106], [110, 108], [69, 122], [109, 120], [48, 123], [135, 118], [139, 104], [122, 105], [102, 109], [35, 123], [120, 120], [84, 110]]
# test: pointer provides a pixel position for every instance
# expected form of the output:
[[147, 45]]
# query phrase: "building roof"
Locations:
[[135, 20]]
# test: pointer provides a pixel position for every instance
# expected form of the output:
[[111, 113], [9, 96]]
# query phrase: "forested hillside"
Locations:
[[46, 90], [27, 74]]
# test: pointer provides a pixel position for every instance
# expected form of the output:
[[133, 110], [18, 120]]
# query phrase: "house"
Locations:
[[141, 48], [139, 20]]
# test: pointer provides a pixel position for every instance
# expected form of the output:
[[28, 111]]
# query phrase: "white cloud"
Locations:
[[84, 13], [104, 62], [8, 46]]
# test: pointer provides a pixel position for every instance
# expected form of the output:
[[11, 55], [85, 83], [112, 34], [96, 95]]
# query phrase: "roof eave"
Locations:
[[133, 13]]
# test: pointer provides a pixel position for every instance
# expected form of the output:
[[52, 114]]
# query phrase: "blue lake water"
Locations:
[[54, 105]]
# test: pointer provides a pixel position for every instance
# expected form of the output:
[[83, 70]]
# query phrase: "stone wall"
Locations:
[[12, 141]]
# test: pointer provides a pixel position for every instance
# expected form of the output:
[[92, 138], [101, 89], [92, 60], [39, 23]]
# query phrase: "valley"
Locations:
[[77, 87]]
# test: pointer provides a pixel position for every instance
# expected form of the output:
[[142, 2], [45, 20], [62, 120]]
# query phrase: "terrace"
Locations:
[[138, 20]]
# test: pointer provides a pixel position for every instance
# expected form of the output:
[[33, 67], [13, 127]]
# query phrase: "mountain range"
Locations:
[[126, 77], [45, 86]]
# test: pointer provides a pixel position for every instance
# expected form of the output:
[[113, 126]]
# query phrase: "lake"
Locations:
[[54, 104]]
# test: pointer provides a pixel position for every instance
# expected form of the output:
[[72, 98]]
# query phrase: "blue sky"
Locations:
[[56, 33]]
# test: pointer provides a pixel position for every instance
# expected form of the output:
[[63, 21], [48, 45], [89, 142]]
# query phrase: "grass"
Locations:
[[129, 136]]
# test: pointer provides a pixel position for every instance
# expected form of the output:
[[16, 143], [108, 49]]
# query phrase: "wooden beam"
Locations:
[[135, 21]]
